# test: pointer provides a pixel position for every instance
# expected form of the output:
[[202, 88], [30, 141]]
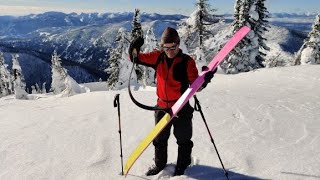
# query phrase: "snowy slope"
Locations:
[[265, 124]]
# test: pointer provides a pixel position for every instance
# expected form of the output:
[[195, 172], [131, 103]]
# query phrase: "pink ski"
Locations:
[[228, 47]]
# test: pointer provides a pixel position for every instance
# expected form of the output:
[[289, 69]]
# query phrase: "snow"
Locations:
[[308, 56], [265, 124], [44, 34], [253, 13], [73, 88]]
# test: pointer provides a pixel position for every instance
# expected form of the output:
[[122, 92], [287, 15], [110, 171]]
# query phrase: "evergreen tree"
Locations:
[[205, 19], [247, 55], [309, 53], [198, 27], [236, 15], [19, 82], [262, 24], [119, 65], [59, 74], [151, 42], [62, 83], [38, 88], [113, 66], [261, 27], [150, 45], [136, 31], [2, 83], [33, 90], [44, 90], [5, 78]]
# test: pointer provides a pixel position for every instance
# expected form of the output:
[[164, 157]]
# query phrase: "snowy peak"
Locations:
[[23, 25], [294, 15]]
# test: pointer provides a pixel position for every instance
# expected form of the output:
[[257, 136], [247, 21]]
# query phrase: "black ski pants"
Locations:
[[182, 131]]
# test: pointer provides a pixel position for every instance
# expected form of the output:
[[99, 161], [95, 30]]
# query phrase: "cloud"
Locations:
[[24, 10], [17, 10]]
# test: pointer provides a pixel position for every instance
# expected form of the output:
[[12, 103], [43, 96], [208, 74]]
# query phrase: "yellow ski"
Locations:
[[146, 141]]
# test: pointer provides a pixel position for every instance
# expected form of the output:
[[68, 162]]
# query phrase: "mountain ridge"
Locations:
[[82, 39]]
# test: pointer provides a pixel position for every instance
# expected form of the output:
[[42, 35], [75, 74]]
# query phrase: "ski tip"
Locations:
[[245, 28], [125, 172]]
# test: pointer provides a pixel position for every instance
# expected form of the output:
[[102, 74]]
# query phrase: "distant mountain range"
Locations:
[[294, 15], [82, 39], [288, 15], [24, 25]]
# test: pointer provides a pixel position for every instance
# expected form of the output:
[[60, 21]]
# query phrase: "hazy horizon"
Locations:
[[25, 7]]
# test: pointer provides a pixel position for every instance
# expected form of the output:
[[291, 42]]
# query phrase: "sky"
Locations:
[[23, 7]]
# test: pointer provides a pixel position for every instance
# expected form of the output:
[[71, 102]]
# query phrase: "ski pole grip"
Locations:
[[134, 53]]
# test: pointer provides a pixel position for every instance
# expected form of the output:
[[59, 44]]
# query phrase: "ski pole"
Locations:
[[116, 103], [197, 107]]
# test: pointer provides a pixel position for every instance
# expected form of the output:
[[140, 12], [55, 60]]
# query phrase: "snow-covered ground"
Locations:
[[265, 123]]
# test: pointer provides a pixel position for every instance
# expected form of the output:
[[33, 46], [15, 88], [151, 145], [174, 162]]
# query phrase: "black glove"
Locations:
[[208, 76], [135, 44]]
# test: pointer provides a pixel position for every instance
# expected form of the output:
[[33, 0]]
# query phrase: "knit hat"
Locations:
[[170, 35]]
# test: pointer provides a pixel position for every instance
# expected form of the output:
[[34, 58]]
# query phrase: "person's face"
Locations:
[[171, 49]]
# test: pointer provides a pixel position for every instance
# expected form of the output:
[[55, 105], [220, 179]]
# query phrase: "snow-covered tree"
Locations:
[[114, 65], [136, 31], [59, 74], [150, 45], [61, 81], [19, 82], [261, 26], [119, 64], [309, 53], [200, 56], [237, 15], [5, 78], [2, 84], [205, 18], [33, 90], [247, 55], [72, 88], [38, 88], [198, 27], [44, 90]]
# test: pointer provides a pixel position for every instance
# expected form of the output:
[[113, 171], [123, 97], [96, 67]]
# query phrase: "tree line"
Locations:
[[13, 82]]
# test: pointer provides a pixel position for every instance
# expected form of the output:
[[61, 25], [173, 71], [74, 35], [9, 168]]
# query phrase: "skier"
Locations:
[[175, 71]]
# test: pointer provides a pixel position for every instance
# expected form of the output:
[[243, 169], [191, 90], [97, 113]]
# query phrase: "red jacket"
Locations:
[[172, 80]]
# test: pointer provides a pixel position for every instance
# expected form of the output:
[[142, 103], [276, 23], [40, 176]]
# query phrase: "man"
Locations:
[[175, 71]]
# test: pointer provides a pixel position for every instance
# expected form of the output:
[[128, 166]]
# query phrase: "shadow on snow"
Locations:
[[206, 172], [200, 172]]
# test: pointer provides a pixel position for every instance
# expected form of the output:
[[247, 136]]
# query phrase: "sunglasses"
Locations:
[[169, 48]]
